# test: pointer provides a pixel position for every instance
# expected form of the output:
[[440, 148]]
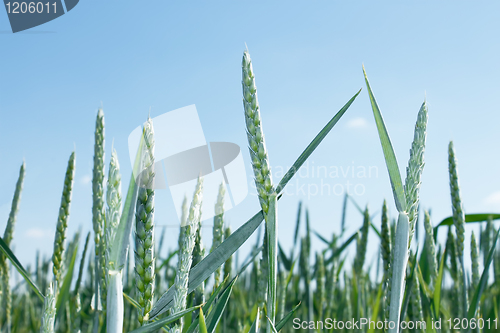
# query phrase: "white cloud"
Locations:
[[86, 179], [37, 233], [493, 199], [357, 123]]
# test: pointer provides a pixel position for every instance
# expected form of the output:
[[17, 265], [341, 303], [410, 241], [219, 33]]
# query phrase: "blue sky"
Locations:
[[134, 56]]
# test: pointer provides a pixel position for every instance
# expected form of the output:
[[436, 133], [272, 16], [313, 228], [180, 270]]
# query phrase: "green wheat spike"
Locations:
[[62, 222], [7, 238]]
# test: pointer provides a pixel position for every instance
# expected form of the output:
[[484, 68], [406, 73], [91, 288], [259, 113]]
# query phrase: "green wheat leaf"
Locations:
[[64, 291], [474, 304], [8, 253], [389, 155], [470, 218], [313, 145], [155, 326], [286, 318]]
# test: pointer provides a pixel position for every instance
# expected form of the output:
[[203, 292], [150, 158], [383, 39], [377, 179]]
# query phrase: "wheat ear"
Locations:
[[114, 299], [62, 221], [7, 238], [198, 255], [361, 245], [255, 134], [144, 227], [458, 220], [431, 249], [320, 283], [386, 250], [98, 209], [187, 240], [218, 229], [228, 265], [260, 161], [415, 168], [474, 254]]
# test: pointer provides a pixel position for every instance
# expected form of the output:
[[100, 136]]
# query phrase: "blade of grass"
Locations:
[[215, 295], [341, 248], [362, 212], [474, 304], [201, 322], [216, 314], [287, 263], [376, 307], [439, 285], [313, 145], [250, 260], [389, 155], [255, 326], [470, 218], [344, 211], [155, 326], [132, 301], [286, 318], [211, 262], [273, 329], [323, 239], [409, 288], [272, 237], [8, 253], [64, 291]]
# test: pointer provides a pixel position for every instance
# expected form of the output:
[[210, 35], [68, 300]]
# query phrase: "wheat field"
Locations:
[[129, 281]]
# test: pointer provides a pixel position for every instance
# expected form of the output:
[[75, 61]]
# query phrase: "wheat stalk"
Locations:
[[263, 180], [49, 311], [282, 295], [399, 261]]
